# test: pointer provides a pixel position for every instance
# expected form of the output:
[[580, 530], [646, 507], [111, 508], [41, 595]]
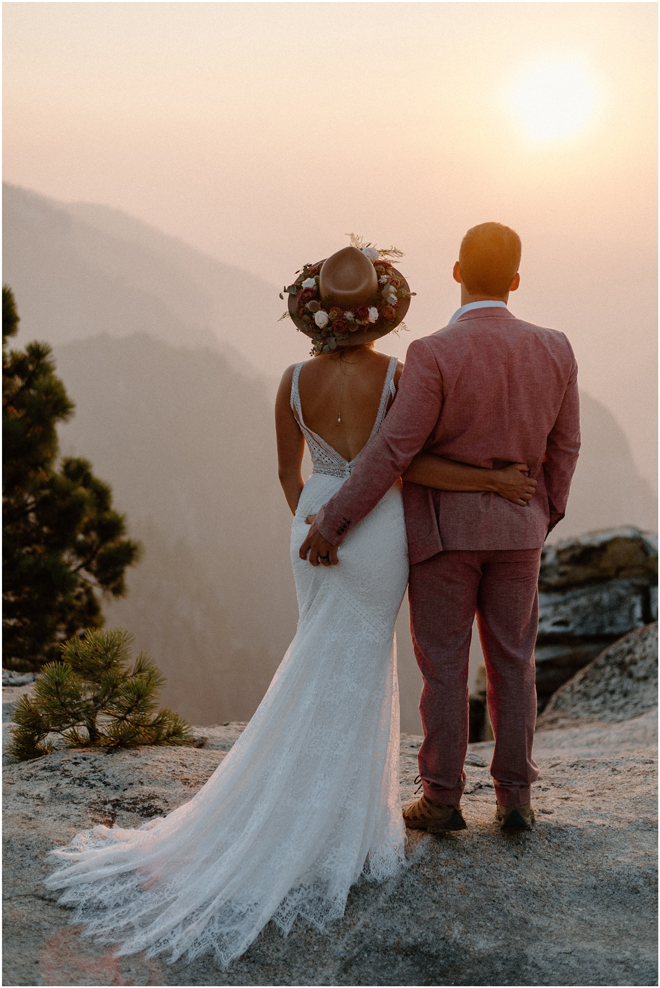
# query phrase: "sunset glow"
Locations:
[[554, 99], [261, 132]]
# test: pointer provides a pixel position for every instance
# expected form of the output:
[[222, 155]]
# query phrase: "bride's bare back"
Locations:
[[340, 394]]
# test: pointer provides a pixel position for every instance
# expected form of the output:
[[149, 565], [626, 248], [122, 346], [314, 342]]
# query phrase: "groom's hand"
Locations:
[[319, 549]]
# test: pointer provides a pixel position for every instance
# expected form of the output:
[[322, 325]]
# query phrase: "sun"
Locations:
[[554, 99]]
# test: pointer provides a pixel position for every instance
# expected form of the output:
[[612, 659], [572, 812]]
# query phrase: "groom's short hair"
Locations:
[[489, 258]]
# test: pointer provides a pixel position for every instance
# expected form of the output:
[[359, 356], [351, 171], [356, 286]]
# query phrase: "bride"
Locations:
[[307, 800]]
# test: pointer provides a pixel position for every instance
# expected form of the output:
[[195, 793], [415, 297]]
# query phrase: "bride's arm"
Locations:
[[290, 443], [448, 475]]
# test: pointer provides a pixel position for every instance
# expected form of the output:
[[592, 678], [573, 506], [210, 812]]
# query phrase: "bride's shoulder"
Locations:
[[284, 389], [287, 376]]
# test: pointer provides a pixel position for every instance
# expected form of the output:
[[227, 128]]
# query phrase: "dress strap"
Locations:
[[389, 391], [296, 406]]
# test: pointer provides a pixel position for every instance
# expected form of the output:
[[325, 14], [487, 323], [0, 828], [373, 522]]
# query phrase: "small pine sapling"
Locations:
[[92, 697]]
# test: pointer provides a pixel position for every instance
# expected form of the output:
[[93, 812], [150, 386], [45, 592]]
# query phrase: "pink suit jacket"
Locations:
[[487, 390]]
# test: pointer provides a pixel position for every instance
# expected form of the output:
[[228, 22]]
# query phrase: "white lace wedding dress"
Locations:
[[307, 800]]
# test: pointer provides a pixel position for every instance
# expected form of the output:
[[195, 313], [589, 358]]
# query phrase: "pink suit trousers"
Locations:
[[445, 592]]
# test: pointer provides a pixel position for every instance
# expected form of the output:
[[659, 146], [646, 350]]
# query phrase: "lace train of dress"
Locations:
[[305, 802]]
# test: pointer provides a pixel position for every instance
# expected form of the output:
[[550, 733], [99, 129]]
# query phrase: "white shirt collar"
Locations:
[[487, 304]]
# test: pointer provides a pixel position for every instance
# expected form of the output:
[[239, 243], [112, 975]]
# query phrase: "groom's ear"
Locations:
[[457, 273], [516, 281]]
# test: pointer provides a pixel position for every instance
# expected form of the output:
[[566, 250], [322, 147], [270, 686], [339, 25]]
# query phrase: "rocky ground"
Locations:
[[572, 903]]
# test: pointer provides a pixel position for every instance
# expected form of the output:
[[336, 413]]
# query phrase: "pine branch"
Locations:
[[10, 400], [11, 517], [93, 676]]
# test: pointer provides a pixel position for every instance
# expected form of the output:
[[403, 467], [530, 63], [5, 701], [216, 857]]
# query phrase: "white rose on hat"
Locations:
[[373, 314], [309, 283], [321, 319], [371, 253]]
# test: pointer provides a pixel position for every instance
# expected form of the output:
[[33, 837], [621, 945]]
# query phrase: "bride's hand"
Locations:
[[513, 484]]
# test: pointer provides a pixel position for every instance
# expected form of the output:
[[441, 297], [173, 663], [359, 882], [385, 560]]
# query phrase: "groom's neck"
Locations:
[[467, 297]]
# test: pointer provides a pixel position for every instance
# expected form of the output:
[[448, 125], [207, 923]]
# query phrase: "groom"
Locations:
[[489, 390]]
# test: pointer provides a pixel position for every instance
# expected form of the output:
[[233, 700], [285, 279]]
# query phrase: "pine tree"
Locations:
[[92, 698], [62, 541]]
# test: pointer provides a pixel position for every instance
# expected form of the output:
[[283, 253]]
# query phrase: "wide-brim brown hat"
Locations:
[[347, 281]]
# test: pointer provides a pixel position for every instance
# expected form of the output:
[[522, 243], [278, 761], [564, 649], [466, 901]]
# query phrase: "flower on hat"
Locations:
[[349, 315], [321, 319], [309, 283], [388, 312], [373, 314], [340, 326], [362, 312], [371, 253]]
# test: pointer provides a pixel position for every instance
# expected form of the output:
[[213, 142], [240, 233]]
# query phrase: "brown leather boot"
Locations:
[[515, 817], [434, 817]]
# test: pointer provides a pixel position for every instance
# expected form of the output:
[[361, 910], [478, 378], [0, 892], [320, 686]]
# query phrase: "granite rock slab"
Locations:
[[571, 903]]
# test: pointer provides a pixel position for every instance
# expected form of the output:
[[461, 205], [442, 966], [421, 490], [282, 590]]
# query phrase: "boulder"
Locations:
[[600, 610], [621, 683], [608, 555], [593, 589], [12, 678]]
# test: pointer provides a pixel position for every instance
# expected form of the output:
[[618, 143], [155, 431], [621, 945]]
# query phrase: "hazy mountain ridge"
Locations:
[[83, 269]]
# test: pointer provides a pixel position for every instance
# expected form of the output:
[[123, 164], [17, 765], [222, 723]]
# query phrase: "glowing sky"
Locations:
[[262, 133]]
